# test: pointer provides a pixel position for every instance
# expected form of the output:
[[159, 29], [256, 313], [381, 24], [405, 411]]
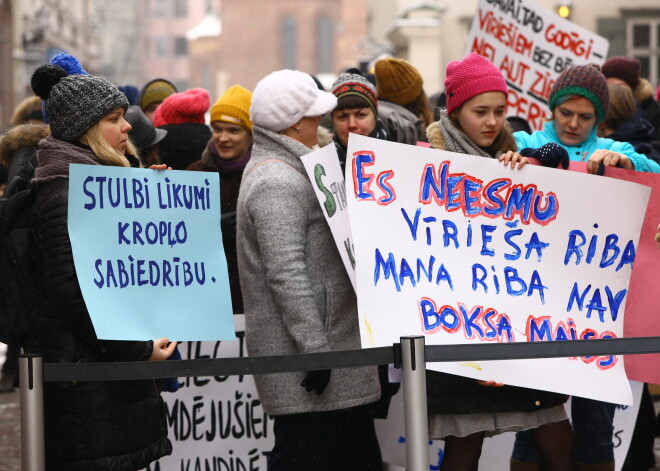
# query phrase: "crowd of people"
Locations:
[[285, 271]]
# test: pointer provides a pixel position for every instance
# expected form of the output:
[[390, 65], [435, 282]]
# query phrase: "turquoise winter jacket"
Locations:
[[584, 150]]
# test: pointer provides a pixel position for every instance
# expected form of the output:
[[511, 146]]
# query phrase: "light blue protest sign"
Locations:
[[148, 253]]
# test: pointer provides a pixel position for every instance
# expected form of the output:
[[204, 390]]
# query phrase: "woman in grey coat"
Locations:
[[297, 295]]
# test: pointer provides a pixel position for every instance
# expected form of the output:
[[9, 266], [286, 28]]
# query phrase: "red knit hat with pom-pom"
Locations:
[[184, 107]]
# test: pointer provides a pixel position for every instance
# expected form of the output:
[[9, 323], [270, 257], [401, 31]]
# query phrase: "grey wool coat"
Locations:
[[297, 295]]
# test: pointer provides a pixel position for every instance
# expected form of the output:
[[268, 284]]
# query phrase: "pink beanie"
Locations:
[[470, 77], [183, 107]]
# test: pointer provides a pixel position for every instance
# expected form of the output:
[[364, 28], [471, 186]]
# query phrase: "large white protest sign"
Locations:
[[217, 423], [142, 245], [324, 172], [531, 46], [462, 249]]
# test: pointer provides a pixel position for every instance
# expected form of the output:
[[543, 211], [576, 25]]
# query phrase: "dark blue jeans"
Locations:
[[593, 427]]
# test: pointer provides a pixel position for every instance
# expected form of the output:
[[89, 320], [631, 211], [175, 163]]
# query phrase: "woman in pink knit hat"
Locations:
[[183, 116], [463, 411]]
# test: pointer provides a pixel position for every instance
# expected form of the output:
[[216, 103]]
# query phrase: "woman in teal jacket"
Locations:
[[579, 101]]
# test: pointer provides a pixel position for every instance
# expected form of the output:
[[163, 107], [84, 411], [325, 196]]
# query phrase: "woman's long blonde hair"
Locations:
[[95, 140]]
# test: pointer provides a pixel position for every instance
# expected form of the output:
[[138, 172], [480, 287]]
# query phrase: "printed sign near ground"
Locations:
[[464, 250], [217, 423], [531, 46], [140, 241]]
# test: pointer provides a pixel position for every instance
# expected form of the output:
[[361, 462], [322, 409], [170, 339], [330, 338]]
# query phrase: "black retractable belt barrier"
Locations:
[[410, 354], [344, 359]]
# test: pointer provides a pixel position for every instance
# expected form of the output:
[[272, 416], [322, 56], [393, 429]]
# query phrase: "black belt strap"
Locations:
[[344, 359]]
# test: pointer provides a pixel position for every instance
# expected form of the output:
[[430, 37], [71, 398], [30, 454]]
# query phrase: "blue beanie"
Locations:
[[68, 63], [71, 65]]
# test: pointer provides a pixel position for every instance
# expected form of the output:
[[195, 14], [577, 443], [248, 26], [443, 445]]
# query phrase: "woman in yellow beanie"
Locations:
[[227, 153], [402, 102]]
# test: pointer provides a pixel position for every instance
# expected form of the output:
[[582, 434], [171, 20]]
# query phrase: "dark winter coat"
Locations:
[[650, 107], [118, 425], [401, 125], [183, 144], [641, 134]]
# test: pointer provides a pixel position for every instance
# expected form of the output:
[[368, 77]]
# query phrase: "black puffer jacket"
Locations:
[[641, 134], [114, 425]]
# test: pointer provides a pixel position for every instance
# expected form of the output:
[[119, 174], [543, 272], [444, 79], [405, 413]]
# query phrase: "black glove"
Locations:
[[316, 381], [550, 155]]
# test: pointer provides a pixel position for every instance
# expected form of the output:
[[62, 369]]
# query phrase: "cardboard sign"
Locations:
[[148, 253], [461, 249], [531, 46]]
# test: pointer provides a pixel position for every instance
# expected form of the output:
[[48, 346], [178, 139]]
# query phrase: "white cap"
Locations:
[[282, 98]]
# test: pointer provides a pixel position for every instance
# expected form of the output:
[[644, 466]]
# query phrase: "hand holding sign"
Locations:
[[162, 350]]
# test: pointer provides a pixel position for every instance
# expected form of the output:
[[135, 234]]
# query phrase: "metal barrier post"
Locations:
[[413, 363], [32, 412]]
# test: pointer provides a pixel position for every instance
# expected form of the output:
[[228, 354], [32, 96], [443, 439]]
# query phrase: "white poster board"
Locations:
[[324, 172], [531, 46], [461, 249]]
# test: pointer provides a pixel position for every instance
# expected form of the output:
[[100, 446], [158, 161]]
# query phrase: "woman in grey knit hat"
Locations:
[[117, 425]]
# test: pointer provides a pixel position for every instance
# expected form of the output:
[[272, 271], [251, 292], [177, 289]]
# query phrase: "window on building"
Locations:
[[180, 46], [180, 8], [145, 46], [643, 42], [161, 46], [324, 52], [289, 43], [160, 8], [207, 77]]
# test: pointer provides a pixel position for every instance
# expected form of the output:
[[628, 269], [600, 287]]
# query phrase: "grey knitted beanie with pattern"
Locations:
[[74, 103]]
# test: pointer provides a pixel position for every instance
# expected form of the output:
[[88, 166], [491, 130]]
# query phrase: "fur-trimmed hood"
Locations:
[[644, 90], [23, 135], [434, 135]]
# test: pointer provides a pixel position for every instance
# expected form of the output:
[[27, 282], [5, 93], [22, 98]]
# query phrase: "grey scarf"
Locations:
[[457, 141], [55, 156]]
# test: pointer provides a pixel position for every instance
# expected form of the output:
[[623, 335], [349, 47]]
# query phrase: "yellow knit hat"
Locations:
[[233, 107], [397, 80]]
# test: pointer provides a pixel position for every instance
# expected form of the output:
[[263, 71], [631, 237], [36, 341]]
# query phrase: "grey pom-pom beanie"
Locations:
[[74, 103]]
